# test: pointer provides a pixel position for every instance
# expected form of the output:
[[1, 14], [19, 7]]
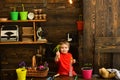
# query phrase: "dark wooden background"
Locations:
[[101, 33], [60, 14], [61, 19], [101, 25]]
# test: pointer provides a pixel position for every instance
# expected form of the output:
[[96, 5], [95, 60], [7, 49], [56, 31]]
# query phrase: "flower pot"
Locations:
[[79, 25], [21, 73], [23, 15], [14, 15], [87, 72]]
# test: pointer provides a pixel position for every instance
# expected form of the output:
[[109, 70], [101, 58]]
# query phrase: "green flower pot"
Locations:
[[23, 15], [14, 15]]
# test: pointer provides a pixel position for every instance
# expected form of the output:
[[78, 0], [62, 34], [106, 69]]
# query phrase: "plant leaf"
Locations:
[[56, 48]]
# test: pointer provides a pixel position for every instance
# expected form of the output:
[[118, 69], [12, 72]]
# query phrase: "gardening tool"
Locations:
[[76, 77], [49, 78], [70, 71], [52, 78]]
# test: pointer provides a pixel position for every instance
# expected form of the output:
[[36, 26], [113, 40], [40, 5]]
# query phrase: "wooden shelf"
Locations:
[[23, 21], [8, 69], [23, 42], [29, 35], [25, 35]]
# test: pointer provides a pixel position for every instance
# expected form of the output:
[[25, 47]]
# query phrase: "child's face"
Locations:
[[64, 48]]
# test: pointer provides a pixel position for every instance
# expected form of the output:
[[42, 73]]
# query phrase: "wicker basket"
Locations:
[[37, 73]]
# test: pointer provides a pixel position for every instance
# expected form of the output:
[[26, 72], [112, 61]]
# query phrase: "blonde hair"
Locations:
[[64, 42]]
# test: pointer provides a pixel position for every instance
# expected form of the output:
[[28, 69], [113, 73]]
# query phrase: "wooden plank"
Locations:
[[56, 1], [89, 26], [107, 21], [107, 41], [12, 1], [115, 16], [107, 45], [116, 61], [24, 42], [24, 1], [100, 19], [22, 21]]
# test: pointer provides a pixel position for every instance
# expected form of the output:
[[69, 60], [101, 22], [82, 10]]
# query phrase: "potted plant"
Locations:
[[14, 14], [87, 71], [23, 13], [80, 23]]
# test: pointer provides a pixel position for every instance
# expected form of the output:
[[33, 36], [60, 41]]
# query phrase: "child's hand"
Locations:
[[58, 54], [57, 57], [74, 61]]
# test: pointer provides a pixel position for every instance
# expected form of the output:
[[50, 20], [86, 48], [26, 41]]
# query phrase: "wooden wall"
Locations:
[[60, 14], [102, 21], [61, 19]]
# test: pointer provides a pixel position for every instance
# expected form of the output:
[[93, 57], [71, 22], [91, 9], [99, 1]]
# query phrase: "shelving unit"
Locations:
[[34, 22], [27, 28]]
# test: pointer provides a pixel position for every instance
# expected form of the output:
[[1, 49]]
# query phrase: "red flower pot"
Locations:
[[79, 25]]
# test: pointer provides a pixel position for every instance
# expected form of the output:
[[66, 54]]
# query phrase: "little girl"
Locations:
[[65, 60]]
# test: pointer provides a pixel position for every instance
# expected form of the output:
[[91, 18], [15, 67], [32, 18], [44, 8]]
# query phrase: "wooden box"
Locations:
[[27, 30], [27, 38]]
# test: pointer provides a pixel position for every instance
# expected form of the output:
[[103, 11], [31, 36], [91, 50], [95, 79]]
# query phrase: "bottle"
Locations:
[[70, 71]]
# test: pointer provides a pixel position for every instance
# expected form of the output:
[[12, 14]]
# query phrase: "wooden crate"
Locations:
[[27, 30], [27, 39]]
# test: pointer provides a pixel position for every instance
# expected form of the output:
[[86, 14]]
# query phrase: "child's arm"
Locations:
[[57, 56], [73, 60]]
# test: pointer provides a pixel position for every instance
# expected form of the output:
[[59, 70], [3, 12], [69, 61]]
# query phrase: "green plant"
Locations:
[[23, 7], [80, 17], [13, 9], [56, 48], [87, 65]]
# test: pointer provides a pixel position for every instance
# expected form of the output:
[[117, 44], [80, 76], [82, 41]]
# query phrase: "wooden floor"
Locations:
[[66, 78], [79, 77]]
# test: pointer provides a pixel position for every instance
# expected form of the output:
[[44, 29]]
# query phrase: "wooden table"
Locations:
[[66, 78]]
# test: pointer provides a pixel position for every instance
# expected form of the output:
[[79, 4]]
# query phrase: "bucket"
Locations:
[[79, 25], [23, 15], [87, 74], [14, 15], [21, 73]]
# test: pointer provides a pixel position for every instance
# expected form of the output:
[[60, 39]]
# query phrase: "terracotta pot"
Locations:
[[79, 25]]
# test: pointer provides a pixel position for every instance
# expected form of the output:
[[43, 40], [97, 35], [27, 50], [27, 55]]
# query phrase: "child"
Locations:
[[65, 60]]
